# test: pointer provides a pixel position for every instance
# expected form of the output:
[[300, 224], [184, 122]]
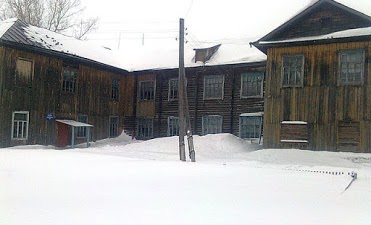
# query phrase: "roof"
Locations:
[[74, 123], [231, 52], [18, 33], [350, 33], [314, 5]]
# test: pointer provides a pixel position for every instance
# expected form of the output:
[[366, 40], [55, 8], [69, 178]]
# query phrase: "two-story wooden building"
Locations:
[[53, 86], [224, 89], [318, 80]]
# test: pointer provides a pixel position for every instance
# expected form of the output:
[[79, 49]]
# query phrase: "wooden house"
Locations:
[[47, 79], [318, 80], [224, 88]]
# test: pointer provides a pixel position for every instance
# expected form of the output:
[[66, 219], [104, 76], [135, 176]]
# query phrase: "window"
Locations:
[[351, 67], [20, 125], [147, 90], [69, 80], [113, 126], [214, 87], [172, 126], [81, 131], [293, 71], [145, 128], [24, 71], [252, 84], [173, 89], [115, 89], [250, 126], [212, 124]]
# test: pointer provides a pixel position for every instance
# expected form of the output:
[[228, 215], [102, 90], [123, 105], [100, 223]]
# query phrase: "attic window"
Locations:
[[205, 54]]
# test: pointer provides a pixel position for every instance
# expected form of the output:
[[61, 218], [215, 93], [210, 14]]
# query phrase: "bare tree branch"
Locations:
[[55, 15]]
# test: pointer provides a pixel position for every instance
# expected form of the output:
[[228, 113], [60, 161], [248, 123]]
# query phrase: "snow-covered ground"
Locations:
[[123, 181]]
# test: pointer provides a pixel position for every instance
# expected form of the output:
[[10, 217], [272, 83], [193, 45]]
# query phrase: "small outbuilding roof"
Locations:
[[74, 123]]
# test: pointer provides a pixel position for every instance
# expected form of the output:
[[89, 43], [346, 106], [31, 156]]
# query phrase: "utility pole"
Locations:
[[181, 91], [184, 119]]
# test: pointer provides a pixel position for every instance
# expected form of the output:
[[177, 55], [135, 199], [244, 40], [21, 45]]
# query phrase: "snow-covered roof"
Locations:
[[135, 59], [146, 58], [74, 123], [359, 32], [16, 31]]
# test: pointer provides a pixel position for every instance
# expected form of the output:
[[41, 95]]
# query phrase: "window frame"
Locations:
[[116, 127], [169, 133], [243, 75], [170, 92], [205, 129], [363, 67], [292, 56], [259, 130], [24, 137], [149, 123], [205, 85], [152, 96], [82, 130], [67, 88], [115, 89]]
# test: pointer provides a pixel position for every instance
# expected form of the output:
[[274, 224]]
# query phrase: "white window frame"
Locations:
[[27, 122], [170, 128], [256, 127], [347, 53], [245, 76], [152, 97], [205, 86], [205, 127], [300, 58]]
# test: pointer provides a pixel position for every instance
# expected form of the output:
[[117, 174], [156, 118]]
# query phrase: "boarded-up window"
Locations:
[[294, 132], [24, 71], [292, 70], [351, 66], [252, 85], [348, 135]]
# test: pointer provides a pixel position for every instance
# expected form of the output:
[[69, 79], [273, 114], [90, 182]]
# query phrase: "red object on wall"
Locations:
[[63, 138]]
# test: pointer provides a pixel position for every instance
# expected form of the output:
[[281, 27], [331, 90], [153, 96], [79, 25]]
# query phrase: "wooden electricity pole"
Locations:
[[181, 91], [184, 119]]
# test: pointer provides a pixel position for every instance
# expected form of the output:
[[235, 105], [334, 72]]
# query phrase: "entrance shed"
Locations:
[[64, 134]]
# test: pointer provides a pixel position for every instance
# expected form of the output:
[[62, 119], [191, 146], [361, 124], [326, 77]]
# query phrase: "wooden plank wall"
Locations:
[[321, 101], [44, 95], [230, 107]]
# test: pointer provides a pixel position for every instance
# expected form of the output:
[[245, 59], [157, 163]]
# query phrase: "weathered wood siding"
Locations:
[[321, 101], [230, 107], [43, 95], [324, 20]]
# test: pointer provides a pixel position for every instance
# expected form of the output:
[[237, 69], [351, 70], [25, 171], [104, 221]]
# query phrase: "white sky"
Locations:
[[158, 21]]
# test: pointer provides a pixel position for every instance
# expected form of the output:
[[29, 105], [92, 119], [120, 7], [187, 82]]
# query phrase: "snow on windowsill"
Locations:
[[294, 141], [295, 122]]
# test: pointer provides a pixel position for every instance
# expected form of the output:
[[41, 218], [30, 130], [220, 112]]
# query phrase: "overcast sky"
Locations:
[[124, 23]]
